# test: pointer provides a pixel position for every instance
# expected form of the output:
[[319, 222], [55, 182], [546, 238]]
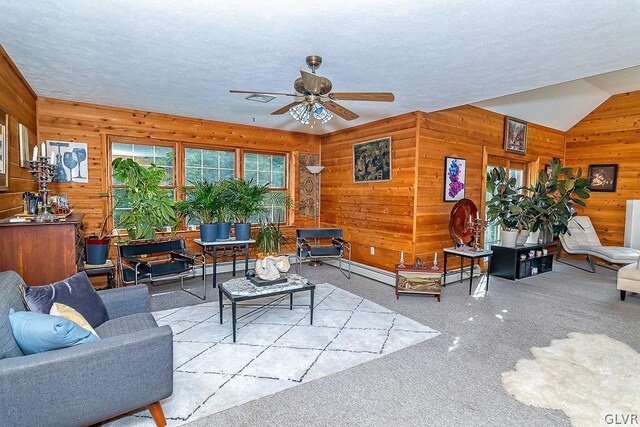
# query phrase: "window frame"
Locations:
[[287, 185]]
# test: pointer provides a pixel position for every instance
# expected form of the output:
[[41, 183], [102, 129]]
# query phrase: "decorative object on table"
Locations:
[[478, 226], [435, 262], [315, 170], [515, 135], [372, 160], [401, 265], [60, 204], [4, 151], [418, 281], [246, 200], [306, 192], [461, 214], [203, 202], [42, 172], [23, 145], [270, 267], [151, 206], [70, 161], [454, 178], [419, 264], [603, 178]]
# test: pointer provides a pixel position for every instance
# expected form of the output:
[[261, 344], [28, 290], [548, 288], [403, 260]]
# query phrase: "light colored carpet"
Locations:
[[276, 349], [592, 378]]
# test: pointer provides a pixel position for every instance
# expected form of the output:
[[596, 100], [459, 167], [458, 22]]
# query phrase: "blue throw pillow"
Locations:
[[37, 332], [77, 292]]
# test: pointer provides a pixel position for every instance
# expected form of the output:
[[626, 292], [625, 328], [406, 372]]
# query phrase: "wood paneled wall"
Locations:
[[464, 132], [93, 124], [18, 99], [609, 134], [378, 215]]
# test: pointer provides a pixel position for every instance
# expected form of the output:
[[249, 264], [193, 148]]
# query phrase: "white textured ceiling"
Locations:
[[182, 57]]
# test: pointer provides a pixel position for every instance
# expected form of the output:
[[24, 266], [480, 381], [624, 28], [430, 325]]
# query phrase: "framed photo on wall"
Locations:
[[603, 178], [455, 170], [372, 160], [515, 135], [4, 151]]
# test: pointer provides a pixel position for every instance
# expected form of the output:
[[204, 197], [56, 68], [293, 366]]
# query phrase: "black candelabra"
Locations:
[[478, 226], [43, 172]]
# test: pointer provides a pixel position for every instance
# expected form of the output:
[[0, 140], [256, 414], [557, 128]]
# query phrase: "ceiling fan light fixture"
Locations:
[[320, 113], [301, 112]]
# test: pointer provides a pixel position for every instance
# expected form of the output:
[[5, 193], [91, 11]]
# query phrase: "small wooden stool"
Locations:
[[107, 269]]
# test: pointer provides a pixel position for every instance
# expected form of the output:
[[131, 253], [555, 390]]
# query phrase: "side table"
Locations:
[[107, 269], [467, 252], [418, 281]]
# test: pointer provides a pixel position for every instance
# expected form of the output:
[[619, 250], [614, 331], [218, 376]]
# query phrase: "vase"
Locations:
[[224, 231], [97, 250], [243, 230], [534, 236], [508, 238], [208, 232]]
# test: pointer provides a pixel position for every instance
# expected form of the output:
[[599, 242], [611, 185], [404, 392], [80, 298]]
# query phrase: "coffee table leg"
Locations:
[[233, 315], [221, 303], [471, 277], [311, 305]]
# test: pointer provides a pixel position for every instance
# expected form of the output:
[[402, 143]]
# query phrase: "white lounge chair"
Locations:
[[584, 241]]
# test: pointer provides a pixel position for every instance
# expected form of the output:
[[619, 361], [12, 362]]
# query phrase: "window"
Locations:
[[145, 155], [270, 170], [209, 165]]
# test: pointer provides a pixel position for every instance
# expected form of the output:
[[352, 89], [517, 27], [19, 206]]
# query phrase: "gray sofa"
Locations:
[[130, 367]]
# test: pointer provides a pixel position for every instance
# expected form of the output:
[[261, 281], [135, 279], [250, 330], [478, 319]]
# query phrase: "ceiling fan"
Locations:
[[314, 99]]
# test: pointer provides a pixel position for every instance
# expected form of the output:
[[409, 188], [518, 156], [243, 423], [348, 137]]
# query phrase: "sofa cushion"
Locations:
[[10, 283], [37, 332], [126, 325], [62, 310], [76, 292]]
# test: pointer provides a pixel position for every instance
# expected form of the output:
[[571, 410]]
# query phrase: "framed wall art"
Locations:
[[70, 159], [4, 151], [603, 178], [455, 170], [372, 160], [515, 135]]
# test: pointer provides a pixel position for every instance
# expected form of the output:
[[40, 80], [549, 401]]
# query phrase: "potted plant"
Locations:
[[246, 200], [202, 202], [223, 211], [268, 239], [97, 245], [504, 206], [152, 207]]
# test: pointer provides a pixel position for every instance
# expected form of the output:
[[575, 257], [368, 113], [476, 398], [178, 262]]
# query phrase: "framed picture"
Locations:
[[515, 135], [372, 160], [603, 178], [70, 159], [4, 151], [454, 178], [23, 143]]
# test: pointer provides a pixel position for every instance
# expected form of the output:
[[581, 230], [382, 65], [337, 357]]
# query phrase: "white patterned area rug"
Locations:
[[276, 349], [594, 379]]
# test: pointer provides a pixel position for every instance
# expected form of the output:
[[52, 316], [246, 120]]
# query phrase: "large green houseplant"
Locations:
[[151, 207], [204, 202], [246, 200], [505, 206]]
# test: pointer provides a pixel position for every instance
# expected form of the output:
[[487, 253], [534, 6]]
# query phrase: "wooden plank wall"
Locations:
[[463, 132], [81, 122], [378, 215], [19, 101], [609, 134]]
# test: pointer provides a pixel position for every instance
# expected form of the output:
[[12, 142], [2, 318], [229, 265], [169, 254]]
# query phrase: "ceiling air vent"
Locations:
[[260, 98]]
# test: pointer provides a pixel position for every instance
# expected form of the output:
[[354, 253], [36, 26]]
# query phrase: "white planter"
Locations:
[[534, 236], [508, 238], [522, 237]]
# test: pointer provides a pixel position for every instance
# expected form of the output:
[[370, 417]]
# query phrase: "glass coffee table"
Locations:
[[241, 289]]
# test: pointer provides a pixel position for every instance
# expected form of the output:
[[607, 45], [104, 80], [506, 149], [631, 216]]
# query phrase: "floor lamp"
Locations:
[[315, 171]]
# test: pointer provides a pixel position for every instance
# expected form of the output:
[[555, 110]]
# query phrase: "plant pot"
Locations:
[[546, 236], [522, 237], [508, 238], [534, 236], [243, 230], [208, 232], [97, 250], [224, 230]]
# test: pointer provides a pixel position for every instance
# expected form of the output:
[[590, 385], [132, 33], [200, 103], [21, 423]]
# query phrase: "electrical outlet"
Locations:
[[373, 250]]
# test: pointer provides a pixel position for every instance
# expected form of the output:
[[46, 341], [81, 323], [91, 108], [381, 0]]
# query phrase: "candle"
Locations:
[[35, 153], [435, 258], [53, 157], [43, 149], [402, 257]]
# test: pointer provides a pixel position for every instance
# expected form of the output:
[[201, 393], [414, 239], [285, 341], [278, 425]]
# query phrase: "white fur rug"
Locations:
[[594, 379]]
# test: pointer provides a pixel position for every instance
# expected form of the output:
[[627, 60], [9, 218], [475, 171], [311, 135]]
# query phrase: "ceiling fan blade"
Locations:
[[312, 82], [264, 93], [363, 96], [338, 109], [285, 108]]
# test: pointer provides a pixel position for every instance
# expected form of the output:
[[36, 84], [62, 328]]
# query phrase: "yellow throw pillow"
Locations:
[[58, 309]]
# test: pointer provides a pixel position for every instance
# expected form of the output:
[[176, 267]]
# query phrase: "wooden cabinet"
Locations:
[[521, 261], [42, 253]]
